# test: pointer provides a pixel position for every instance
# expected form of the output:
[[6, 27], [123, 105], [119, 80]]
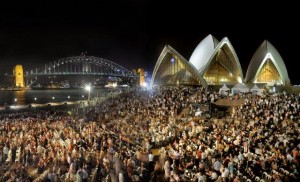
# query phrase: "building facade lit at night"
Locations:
[[267, 66], [18, 74]]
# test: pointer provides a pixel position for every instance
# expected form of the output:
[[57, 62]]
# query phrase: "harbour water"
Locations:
[[26, 97]]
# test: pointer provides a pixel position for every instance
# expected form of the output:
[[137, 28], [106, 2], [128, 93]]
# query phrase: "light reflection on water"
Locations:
[[26, 97]]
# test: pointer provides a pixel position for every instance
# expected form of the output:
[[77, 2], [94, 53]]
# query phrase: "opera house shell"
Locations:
[[267, 66], [217, 62], [173, 69]]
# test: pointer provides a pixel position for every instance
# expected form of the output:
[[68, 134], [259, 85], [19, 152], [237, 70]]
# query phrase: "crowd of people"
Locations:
[[154, 136]]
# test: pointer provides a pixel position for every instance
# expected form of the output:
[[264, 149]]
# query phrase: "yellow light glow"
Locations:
[[19, 76]]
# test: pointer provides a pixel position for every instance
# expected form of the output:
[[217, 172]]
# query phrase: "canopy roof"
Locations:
[[224, 87]]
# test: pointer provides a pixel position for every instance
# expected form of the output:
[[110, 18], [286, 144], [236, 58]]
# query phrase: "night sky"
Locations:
[[132, 33]]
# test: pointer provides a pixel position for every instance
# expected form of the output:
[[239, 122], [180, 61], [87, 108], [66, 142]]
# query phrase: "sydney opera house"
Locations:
[[215, 62]]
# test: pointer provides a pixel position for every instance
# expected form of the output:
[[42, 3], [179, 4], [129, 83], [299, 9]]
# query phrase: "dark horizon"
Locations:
[[133, 34]]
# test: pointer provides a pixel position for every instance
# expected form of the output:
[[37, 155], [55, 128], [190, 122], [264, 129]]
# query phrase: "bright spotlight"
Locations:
[[88, 87], [172, 60], [145, 84]]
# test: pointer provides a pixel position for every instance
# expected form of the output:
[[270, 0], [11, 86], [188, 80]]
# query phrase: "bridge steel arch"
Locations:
[[81, 65]]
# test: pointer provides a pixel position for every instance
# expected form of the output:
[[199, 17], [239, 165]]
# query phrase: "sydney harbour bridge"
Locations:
[[72, 69]]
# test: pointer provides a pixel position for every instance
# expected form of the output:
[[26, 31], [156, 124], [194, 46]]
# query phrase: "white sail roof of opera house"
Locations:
[[223, 54], [172, 68], [266, 51], [203, 52]]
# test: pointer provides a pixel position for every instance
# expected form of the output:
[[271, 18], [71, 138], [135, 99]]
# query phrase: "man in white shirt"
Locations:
[[217, 165], [150, 157], [151, 162], [214, 176]]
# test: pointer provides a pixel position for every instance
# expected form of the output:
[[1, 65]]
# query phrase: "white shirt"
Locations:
[[225, 173], [5, 150], [214, 176], [150, 156], [217, 165]]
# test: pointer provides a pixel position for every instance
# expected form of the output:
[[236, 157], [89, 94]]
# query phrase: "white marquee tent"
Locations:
[[224, 90], [239, 87], [256, 90]]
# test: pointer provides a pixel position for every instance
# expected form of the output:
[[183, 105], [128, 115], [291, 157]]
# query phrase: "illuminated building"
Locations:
[[217, 62], [18, 76], [141, 74], [267, 66], [173, 69]]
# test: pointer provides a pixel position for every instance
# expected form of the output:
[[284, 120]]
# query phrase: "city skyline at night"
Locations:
[[133, 33]]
